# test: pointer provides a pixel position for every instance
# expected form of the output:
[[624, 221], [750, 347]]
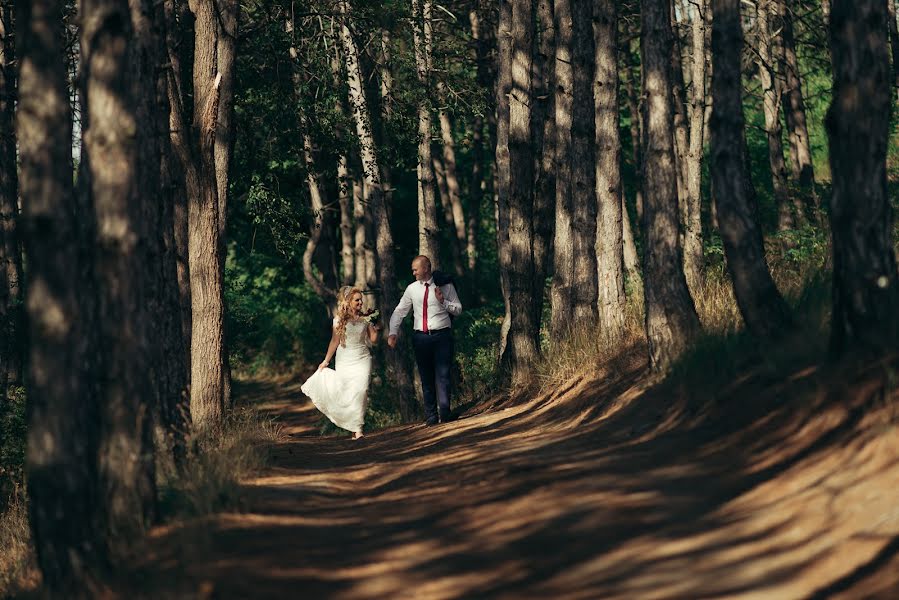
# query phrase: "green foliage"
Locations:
[[275, 321], [476, 334]]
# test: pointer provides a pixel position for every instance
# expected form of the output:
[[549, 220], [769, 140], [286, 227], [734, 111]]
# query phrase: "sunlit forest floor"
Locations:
[[774, 485]]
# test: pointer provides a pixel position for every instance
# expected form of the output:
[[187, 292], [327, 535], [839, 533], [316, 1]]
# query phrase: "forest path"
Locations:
[[610, 488]]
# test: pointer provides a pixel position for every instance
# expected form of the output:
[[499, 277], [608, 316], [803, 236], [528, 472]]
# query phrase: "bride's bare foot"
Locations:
[[357, 435]]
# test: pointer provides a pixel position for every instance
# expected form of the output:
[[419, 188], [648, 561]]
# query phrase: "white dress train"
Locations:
[[342, 393]]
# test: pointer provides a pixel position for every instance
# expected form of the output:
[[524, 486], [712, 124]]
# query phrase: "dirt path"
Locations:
[[606, 489]]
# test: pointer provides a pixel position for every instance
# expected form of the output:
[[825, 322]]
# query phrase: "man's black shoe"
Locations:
[[430, 422], [447, 418]]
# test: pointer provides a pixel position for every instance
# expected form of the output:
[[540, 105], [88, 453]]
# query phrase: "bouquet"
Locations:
[[371, 316]]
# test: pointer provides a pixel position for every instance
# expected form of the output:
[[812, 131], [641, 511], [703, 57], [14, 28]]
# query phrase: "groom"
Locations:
[[432, 337]]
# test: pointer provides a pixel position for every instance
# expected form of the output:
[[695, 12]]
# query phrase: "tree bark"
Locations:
[[636, 127], [894, 44], [865, 282], [118, 92], [629, 248], [543, 130], [428, 230], [347, 242], [316, 197], [574, 291], [609, 230], [183, 168], [502, 168], [454, 194], [168, 360], [681, 124], [397, 369], [207, 401], [794, 104], [671, 320], [693, 256], [764, 310], [520, 345], [772, 93], [227, 13], [476, 187], [11, 323], [64, 418]]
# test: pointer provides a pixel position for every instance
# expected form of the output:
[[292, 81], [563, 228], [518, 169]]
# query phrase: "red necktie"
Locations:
[[424, 310]]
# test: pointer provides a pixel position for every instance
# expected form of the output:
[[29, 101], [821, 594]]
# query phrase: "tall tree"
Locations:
[[894, 43], [692, 211], [207, 400], [10, 252], [768, 52], [574, 291], [543, 131], [454, 210], [63, 409], [609, 228], [764, 310], [428, 230], [520, 345], [671, 320], [397, 369], [475, 188], [803, 170], [865, 282]]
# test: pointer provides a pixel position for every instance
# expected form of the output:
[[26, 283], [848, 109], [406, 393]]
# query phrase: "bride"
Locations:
[[342, 393]]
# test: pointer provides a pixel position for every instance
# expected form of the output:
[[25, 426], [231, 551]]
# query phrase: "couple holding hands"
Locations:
[[342, 393]]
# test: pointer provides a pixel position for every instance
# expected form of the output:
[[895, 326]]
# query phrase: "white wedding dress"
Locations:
[[342, 393]]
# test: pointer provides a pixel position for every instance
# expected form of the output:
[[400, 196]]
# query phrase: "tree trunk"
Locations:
[[894, 43], [158, 185], [772, 90], [635, 108], [185, 178], [397, 369], [456, 212], [204, 246], [64, 419], [629, 249], [361, 244], [449, 220], [428, 230], [543, 130], [671, 320], [476, 187], [502, 168], [681, 124], [609, 230], [316, 197], [865, 282], [118, 92], [345, 201], [227, 12], [520, 345], [574, 291], [693, 256], [11, 324], [636, 127], [794, 104], [764, 311]]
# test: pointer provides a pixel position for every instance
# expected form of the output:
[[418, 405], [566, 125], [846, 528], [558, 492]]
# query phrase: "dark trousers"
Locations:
[[434, 356]]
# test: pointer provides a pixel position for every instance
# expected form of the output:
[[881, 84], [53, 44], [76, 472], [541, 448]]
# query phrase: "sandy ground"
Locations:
[[606, 488]]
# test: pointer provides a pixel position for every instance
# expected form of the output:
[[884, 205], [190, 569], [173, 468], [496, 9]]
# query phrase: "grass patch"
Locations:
[[210, 481], [18, 564]]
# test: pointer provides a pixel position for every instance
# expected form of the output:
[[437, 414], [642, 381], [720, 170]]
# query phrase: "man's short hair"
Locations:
[[424, 259]]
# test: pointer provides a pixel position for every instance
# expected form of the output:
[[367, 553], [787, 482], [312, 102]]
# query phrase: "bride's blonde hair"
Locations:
[[344, 298]]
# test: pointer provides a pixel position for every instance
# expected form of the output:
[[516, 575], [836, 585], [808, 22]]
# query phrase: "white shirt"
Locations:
[[438, 312]]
